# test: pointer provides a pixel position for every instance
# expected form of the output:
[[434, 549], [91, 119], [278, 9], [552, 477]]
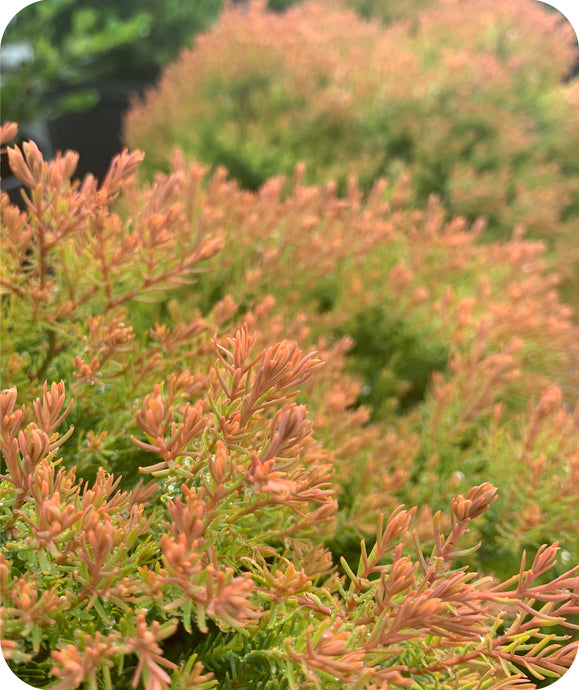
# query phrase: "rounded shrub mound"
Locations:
[[469, 100], [191, 495]]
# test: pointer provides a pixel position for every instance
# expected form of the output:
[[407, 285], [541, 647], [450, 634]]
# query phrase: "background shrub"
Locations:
[[472, 106], [471, 103], [75, 46]]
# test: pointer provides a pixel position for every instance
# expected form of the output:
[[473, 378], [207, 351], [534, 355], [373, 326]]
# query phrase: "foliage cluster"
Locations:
[[76, 42], [154, 318]]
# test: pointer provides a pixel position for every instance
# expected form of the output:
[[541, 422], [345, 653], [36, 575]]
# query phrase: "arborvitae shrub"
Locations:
[[208, 563]]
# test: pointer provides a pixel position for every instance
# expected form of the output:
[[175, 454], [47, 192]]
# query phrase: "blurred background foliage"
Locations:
[[54, 45], [473, 102]]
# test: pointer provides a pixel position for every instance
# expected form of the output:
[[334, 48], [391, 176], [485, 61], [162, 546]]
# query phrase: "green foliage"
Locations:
[[394, 362], [154, 317], [75, 43], [388, 10]]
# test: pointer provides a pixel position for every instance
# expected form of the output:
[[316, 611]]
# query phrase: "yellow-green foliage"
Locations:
[[200, 525]]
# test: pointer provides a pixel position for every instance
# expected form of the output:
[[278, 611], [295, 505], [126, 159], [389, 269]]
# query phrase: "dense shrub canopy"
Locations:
[[196, 335], [269, 420], [467, 97]]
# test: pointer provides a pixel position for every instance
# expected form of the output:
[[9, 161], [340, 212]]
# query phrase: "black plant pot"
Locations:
[[95, 133]]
